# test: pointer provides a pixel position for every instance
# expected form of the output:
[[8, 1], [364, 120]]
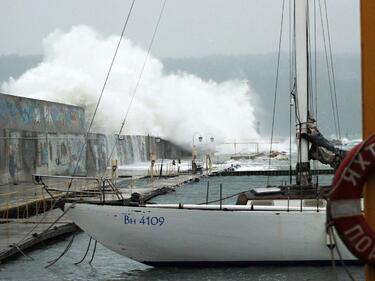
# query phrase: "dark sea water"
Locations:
[[196, 192], [111, 266]]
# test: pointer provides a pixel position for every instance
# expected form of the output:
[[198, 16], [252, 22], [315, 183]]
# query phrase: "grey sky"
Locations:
[[188, 28]]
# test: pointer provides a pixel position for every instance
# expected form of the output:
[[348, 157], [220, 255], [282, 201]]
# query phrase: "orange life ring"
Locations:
[[345, 205]]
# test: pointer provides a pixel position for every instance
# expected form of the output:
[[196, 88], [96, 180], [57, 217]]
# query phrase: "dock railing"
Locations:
[[164, 170], [32, 200], [22, 204]]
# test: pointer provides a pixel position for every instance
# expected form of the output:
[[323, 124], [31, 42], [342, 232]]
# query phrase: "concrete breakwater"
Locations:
[[49, 138]]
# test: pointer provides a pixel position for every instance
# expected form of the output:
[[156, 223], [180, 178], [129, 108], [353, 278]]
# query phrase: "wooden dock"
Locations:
[[17, 236], [157, 186]]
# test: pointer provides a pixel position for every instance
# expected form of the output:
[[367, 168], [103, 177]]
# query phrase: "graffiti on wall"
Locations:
[[40, 116]]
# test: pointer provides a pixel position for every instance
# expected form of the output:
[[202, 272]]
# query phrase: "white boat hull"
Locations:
[[167, 235]]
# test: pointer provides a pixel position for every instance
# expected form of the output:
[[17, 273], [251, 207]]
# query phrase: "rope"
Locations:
[[49, 227], [93, 252], [87, 250], [64, 252], [347, 271], [276, 84], [332, 252], [22, 252]]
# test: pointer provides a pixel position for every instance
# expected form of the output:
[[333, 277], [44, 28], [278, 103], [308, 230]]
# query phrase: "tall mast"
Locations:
[[303, 164]]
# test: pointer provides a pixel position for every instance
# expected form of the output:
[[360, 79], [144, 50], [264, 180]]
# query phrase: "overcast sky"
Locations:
[[189, 28]]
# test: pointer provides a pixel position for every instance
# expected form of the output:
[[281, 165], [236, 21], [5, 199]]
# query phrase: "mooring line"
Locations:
[[87, 250], [22, 252], [64, 252], [346, 269], [93, 253]]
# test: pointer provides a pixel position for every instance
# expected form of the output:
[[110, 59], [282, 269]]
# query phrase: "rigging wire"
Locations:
[[110, 66], [315, 68], [87, 132], [276, 85], [315, 87], [290, 89], [332, 69], [310, 92], [138, 80], [328, 70], [95, 111], [296, 101], [48, 228], [103, 87], [44, 231]]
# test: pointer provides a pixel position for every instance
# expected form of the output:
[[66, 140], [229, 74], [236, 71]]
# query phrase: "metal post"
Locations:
[[18, 204], [221, 196], [368, 104], [207, 192], [102, 183]]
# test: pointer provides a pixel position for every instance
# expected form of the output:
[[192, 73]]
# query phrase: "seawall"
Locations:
[[49, 138]]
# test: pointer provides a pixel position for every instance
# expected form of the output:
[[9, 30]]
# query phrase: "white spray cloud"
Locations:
[[176, 106]]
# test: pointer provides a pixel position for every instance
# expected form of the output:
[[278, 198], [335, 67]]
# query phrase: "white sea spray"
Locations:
[[176, 106]]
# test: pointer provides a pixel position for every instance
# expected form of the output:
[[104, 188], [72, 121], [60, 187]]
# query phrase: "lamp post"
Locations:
[[208, 154], [158, 140], [152, 155]]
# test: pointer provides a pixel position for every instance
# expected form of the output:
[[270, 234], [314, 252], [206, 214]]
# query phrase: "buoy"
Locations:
[[345, 203]]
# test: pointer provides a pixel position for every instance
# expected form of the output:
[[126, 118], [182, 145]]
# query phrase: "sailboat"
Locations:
[[268, 225]]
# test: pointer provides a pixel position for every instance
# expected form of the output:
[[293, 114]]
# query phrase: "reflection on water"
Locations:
[[242, 273]]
